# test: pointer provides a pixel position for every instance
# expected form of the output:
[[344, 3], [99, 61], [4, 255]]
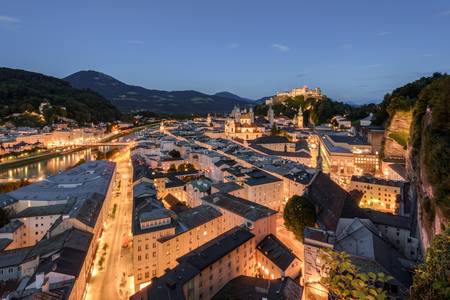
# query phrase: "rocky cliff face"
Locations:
[[431, 219], [418, 115], [396, 135]]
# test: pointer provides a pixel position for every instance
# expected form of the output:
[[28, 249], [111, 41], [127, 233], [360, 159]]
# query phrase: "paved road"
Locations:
[[112, 280], [288, 238], [297, 247]]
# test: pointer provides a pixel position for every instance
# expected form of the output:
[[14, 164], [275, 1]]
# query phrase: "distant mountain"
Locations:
[[262, 100], [129, 98], [232, 96], [22, 91]]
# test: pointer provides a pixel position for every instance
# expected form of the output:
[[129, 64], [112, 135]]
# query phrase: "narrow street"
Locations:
[[297, 247], [112, 270], [288, 238]]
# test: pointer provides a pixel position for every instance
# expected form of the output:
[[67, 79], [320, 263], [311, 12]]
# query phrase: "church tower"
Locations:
[[300, 118], [252, 115], [237, 115]]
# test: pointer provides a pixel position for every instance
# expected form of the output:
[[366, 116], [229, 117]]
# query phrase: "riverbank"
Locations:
[[49, 154], [32, 159]]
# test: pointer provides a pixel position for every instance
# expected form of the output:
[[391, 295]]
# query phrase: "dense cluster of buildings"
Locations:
[[48, 246], [208, 198], [376, 241], [218, 229], [343, 156], [221, 225], [23, 139]]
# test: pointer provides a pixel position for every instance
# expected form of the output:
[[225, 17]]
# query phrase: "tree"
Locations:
[[275, 130], [343, 281], [313, 117], [12, 186], [172, 168], [299, 213], [26, 107], [4, 217], [24, 91], [109, 128], [174, 154], [432, 278], [80, 162], [186, 167]]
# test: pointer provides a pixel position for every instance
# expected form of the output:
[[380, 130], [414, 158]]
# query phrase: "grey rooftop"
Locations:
[[276, 251], [11, 227], [90, 177], [197, 216], [246, 287], [378, 181], [244, 208]]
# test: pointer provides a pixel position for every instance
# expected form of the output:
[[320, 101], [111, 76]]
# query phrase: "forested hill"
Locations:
[[403, 98], [417, 115], [22, 91], [429, 151], [320, 111]]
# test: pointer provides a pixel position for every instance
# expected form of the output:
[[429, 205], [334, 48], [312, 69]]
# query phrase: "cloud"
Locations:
[[233, 45], [301, 75], [7, 19], [383, 33], [346, 46], [445, 13], [281, 47], [135, 42]]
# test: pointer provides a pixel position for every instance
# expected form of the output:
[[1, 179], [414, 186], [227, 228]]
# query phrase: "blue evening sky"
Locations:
[[355, 50]]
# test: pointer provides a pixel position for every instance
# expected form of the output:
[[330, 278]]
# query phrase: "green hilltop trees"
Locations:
[[343, 281], [432, 277], [22, 91]]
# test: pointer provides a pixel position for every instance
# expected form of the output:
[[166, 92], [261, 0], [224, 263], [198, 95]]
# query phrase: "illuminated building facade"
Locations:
[[379, 194]]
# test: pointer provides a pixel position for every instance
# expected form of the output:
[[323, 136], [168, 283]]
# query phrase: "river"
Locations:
[[50, 166], [41, 169]]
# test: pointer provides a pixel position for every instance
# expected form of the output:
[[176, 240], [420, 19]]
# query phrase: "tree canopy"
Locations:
[[432, 277], [298, 213], [402, 98], [430, 138], [12, 186], [174, 153], [172, 168], [4, 217], [22, 91], [318, 111], [342, 279], [185, 167]]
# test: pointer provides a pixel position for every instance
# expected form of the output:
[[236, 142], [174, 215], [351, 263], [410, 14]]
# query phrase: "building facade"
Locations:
[[378, 194]]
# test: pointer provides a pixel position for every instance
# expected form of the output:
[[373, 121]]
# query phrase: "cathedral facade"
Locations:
[[241, 124]]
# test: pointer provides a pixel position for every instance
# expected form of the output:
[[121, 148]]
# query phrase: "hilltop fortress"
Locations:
[[299, 91]]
